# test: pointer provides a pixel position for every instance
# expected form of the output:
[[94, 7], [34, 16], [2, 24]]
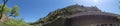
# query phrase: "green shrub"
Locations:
[[15, 22]]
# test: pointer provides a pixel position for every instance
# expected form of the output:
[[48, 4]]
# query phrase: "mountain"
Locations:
[[63, 12]]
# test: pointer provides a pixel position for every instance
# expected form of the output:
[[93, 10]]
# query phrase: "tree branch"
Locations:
[[4, 2]]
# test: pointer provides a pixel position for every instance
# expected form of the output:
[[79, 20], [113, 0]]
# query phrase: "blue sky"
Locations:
[[32, 10]]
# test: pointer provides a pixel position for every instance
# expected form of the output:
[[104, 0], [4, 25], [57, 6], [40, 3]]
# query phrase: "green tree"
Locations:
[[14, 11], [2, 8], [5, 11]]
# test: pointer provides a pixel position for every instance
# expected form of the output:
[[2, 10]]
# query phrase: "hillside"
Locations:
[[63, 12]]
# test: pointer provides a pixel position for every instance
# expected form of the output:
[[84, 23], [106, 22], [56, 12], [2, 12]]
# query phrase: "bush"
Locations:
[[15, 22]]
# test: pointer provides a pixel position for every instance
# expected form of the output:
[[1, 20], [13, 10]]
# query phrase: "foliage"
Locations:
[[6, 9], [15, 22], [12, 11]]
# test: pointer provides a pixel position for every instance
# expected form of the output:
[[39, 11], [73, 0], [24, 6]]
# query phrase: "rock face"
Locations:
[[78, 15]]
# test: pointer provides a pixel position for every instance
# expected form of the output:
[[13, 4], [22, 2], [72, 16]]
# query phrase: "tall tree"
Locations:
[[2, 8]]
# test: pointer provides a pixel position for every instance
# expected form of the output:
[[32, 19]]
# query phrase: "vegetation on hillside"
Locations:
[[63, 12], [15, 22]]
